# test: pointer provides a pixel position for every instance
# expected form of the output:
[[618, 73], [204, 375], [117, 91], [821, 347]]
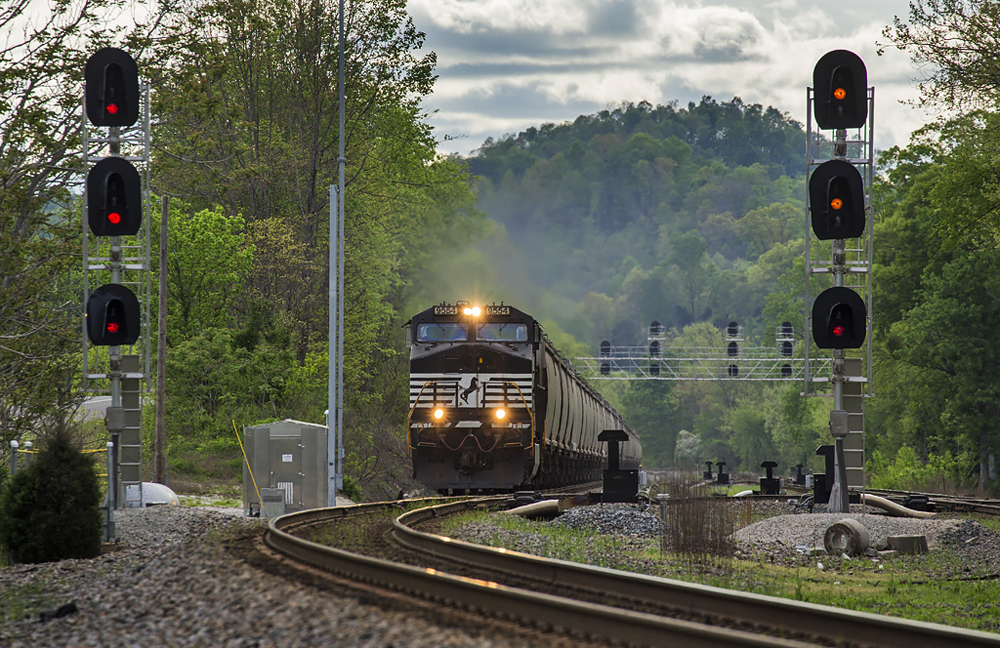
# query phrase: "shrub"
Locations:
[[351, 489], [50, 510], [908, 472]]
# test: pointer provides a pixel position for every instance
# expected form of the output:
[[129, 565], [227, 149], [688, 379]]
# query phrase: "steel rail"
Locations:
[[796, 616], [575, 617]]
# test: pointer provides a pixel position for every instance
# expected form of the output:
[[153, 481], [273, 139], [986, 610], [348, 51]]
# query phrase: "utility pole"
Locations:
[[335, 403]]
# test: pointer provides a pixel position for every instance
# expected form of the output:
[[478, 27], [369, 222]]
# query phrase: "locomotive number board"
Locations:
[[446, 310], [498, 310]]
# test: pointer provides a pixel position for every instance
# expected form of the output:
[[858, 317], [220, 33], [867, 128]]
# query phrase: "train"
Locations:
[[495, 408]]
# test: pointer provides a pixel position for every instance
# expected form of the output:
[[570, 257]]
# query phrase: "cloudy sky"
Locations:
[[505, 65]]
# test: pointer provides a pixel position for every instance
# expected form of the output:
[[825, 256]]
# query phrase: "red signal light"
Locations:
[[112, 327], [838, 330], [114, 218], [112, 109]]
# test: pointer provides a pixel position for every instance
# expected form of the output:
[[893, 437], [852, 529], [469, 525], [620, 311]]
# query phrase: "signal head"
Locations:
[[837, 201], [839, 319], [113, 316], [114, 198], [840, 86], [112, 95]]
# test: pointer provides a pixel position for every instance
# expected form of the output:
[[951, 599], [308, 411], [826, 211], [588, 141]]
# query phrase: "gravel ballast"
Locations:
[[173, 583]]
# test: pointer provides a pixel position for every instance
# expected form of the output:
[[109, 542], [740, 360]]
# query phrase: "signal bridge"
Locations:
[[731, 361]]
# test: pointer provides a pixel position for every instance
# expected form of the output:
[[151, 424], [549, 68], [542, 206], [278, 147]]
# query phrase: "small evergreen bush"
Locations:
[[50, 510]]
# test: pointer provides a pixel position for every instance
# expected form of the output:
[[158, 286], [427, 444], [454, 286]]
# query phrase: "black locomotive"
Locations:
[[494, 407]]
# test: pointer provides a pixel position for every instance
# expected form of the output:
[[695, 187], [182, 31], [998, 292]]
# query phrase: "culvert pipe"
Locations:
[[848, 536]]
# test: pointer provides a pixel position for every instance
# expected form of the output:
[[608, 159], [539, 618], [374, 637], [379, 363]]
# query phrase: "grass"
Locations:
[[344, 536], [210, 500], [904, 587]]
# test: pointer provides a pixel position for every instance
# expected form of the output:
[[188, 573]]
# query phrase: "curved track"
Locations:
[[814, 625]]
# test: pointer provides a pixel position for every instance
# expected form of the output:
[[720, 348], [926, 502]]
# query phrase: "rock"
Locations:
[[58, 613]]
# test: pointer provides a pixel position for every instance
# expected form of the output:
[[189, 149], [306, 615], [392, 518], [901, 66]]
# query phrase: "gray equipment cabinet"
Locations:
[[290, 456]]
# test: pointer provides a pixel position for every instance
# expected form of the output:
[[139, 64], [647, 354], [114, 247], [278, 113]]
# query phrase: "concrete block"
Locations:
[[908, 544]]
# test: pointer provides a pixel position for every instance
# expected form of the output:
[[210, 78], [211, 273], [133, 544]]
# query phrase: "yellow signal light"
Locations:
[[837, 203], [839, 94]]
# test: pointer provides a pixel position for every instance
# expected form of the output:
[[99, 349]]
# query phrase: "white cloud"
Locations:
[[477, 16], [507, 65]]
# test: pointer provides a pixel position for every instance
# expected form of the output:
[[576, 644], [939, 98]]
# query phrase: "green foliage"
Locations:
[[652, 408], [351, 489], [49, 511], [209, 256], [935, 286], [907, 472]]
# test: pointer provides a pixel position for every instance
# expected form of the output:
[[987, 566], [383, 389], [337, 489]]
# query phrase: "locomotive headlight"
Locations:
[[438, 414], [500, 414], [474, 311]]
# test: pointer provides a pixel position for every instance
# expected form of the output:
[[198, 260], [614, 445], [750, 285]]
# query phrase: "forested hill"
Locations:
[[650, 212], [732, 131]]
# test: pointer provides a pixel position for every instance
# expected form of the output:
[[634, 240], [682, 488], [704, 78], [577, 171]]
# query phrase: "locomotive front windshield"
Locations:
[[502, 332], [442, 332]]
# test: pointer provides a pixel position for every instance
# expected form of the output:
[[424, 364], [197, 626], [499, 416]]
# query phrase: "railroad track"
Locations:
[[958, 503], [645, 610]]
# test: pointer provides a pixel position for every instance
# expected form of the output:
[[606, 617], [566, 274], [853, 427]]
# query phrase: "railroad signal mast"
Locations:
[[114, 315], [839, 200]]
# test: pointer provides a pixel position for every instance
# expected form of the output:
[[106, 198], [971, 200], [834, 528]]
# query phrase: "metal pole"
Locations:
[[341, 163], [839, 497], [83, 221], [109, 527], [805, 303], [13, 457], [159, 460], [331, 432]]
